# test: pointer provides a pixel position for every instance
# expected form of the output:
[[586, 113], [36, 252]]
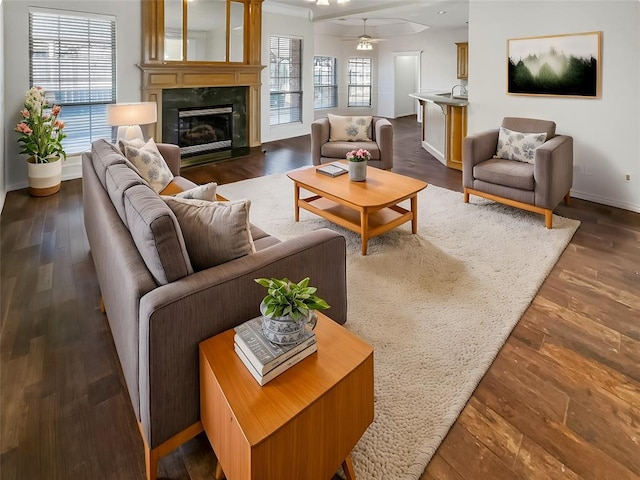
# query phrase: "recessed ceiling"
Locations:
[[384, 17]]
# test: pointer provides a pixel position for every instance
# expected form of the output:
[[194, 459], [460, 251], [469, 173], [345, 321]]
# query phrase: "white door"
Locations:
[[406, 82]]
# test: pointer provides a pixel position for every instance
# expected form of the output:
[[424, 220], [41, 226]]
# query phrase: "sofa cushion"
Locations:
[[505, 172], [150, 164], [104, 154], [349, 129], [157, 235], [340, 149], [518, 146], [214, 232], [119, 178]]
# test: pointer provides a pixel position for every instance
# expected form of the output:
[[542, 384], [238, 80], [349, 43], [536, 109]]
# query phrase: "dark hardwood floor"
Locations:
[[562, 399]]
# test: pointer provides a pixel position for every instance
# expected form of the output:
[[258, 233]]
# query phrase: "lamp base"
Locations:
[[129, 132]]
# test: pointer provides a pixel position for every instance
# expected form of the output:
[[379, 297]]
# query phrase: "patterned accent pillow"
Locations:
[[201, 192], [214, 232], [134, 142], [349, 129], [519, 146], [150, 164]]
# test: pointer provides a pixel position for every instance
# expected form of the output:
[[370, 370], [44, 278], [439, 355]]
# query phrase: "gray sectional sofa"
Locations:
[[159, 309]]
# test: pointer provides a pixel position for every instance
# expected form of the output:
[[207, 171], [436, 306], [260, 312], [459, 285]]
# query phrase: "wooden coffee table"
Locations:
[[303, 424], [369, 208]]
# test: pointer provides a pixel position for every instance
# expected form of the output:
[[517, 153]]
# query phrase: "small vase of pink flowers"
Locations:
[[358, 164]]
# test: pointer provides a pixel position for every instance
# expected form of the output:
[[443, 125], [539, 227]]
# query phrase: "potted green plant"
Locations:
[[358, 164], [287, 308], [40, 135]]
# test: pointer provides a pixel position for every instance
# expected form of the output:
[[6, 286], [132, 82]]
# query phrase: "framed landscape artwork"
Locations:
[[562, 65]]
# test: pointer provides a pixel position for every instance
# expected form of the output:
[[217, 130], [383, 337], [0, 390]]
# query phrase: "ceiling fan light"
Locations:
[[323, 2], [364, 45]]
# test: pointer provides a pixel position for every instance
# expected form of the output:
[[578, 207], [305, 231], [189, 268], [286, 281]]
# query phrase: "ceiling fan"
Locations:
[[365, 42]]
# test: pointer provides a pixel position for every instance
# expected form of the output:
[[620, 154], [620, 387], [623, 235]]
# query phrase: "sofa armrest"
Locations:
[[384, 138], [171, 155], [319, 136], [475, 149], [175, 318], [553, 171]]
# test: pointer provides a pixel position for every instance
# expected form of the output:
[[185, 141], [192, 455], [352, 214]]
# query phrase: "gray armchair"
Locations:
[[380, 146], [538, 187]]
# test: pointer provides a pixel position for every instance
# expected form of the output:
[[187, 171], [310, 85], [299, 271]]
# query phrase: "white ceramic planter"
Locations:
[[44, 178], [284, 330], [358, 171]]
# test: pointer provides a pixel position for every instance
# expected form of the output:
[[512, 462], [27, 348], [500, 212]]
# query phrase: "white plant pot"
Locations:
[[44, 178], [358, 171]]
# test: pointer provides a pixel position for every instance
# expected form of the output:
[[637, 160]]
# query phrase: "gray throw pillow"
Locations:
[[214, 232]]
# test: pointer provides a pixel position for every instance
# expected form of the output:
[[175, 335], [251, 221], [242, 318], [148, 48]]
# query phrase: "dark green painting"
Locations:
[[567, 65]]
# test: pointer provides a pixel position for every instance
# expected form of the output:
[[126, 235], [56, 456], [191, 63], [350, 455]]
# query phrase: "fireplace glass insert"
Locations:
[[204, 130]]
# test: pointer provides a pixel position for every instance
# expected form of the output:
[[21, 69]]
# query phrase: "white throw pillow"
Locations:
[[349, 129], [134, 142], [214, 232], [201, 192], [519, 146], [150, 164]]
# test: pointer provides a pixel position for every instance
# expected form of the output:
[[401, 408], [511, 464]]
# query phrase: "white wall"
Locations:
[[606, 130], [333, 46], [276, 23], [439, 62], [16, 66], [3, 188]]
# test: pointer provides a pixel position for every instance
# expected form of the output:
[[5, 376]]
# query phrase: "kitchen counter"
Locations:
[[444, 125], [440, 97]]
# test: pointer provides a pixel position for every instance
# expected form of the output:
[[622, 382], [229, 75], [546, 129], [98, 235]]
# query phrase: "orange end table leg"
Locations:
[[347, 467]]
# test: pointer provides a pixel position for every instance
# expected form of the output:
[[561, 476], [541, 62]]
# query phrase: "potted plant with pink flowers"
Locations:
[[358, 164], [40, 136]]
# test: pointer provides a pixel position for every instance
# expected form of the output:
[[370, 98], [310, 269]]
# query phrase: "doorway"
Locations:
[[407, 80]]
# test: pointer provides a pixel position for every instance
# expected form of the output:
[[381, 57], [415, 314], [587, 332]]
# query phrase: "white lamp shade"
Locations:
[[129, 116], [124, 114]]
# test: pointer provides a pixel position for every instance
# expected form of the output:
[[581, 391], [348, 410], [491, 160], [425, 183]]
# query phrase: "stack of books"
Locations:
[[266, 360]]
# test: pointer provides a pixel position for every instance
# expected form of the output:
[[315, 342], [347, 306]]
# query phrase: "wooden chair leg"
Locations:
[[219, 475], [466, 196], [151, 463], [347, 468], [567, 198], [548, 218]]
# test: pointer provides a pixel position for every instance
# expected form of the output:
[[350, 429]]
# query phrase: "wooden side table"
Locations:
[[303, 424]]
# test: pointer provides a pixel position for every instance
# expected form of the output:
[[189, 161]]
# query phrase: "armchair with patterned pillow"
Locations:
[[523, 164], [336, 135]]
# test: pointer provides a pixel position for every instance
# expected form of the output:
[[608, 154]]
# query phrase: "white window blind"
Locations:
[[359, 89], [325, 84], [73, 58], [285, 80]]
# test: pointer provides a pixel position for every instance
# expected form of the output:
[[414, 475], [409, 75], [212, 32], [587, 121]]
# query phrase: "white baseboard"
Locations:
[[605, 201], [435, 152]]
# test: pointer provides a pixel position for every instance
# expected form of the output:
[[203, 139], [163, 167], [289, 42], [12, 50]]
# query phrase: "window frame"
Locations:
[[57, 71], [360, 64], [320, 84], [284, 114]]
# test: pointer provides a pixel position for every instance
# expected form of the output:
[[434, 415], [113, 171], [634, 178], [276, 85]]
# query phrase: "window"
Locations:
[[73, 58], [324, 81], [359, 90], [285, 80]]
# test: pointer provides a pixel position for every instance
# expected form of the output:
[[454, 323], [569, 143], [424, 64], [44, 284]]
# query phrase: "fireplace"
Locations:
[[205, 130], [207, 123]]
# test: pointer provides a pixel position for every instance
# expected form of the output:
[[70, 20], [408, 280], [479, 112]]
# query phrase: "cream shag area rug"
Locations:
[[436, 306]]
